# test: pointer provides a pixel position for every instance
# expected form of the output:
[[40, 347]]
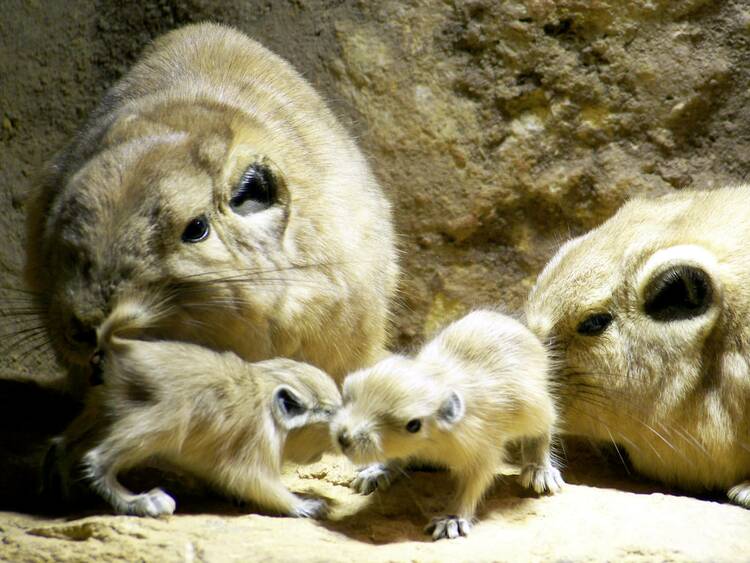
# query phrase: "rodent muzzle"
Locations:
[[80, 337], [79, 333], [344, 440]]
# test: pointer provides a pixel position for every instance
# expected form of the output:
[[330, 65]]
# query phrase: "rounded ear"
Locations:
[[451, 410], [678, 283], [261, 186], [288, 408]]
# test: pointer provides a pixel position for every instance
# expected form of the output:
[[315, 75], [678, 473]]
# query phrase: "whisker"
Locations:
[[201, 285], [21, 300], [599, 404], [13, 332], [20, 346], [21, 312], [617, 449], [39, 344], [21, 290]]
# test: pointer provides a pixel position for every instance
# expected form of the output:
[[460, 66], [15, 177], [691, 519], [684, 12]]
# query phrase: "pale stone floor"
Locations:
[[602, 515]]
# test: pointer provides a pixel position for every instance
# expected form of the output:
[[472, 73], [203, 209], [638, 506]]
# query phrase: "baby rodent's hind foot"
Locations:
[[542, 479], [310, 508], [448, 526], [375, 476], [740, 494], [153, 503]]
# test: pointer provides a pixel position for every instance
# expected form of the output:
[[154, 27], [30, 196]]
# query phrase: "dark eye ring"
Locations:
[[196, 230], [595, 324], [413, 425]]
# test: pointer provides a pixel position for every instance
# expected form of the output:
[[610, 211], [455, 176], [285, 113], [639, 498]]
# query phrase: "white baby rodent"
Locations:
[[215, 174], [649, 316], [227, 421], [480, 384]]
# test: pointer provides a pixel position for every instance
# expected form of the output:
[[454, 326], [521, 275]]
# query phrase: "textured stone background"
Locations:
[[497, 128]]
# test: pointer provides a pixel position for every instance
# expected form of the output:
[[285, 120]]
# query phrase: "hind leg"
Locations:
[[471, 488], [102, 465], [266, 490], [740, 494], [538, 472]]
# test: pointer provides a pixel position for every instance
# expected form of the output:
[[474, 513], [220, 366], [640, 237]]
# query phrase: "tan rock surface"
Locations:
[[584, 523], [498, 128]]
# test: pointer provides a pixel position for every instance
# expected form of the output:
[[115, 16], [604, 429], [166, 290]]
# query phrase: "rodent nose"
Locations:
[[81, 334], [344, 440]]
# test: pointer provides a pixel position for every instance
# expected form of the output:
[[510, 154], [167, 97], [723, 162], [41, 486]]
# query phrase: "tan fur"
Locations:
[[209, 413], [674, 393], [480, 384], [309, 277]]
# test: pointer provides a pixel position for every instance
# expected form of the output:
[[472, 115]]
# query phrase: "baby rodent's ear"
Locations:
[[451, 411], [678, 283], [289, 409]]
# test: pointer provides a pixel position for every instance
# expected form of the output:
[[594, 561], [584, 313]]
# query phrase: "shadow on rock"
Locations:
[[30, 415], [401, 513], [606, 466]]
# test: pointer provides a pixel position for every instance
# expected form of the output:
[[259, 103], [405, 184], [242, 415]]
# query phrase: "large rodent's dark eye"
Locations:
[[256, 190], [413, 425], [594, 325], [196, 230]]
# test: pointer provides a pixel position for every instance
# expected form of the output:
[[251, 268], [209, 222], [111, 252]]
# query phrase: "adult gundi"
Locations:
[[648, 317]]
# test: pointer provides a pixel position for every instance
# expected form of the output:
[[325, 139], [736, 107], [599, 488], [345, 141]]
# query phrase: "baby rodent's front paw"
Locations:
[[448, 526], [375, 476], [310, 508], [543, 479]]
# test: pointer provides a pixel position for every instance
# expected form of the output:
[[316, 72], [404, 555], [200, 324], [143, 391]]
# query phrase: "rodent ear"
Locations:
[[677, 283], [288, 408], [259, 187], [451, 410]]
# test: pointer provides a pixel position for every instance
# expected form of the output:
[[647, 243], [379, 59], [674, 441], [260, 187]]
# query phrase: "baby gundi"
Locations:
[[480, 384], [227, 421], [649, 315]]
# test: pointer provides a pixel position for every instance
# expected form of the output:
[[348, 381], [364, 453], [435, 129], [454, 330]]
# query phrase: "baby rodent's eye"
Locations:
[[594, 325], [413, 425], [197, 230], [256, 190]]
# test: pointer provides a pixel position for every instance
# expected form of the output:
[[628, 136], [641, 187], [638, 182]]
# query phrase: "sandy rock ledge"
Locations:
[[584, 523]]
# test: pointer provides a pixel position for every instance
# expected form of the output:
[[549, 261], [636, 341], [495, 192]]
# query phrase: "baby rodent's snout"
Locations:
[[356, 439], [344, 439]]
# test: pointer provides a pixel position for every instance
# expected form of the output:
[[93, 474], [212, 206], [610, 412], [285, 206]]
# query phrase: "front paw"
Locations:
[[375, 476], [740, 494], [310, 508], [543, 479], [153, 503], [448, 526]]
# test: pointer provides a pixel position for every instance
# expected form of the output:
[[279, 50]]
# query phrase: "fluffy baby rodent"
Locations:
[[480, 384], [227, 421], [649, 316], [215, 174]]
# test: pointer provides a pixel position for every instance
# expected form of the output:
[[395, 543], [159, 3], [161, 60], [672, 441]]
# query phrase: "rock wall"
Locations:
[[498, 129]]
